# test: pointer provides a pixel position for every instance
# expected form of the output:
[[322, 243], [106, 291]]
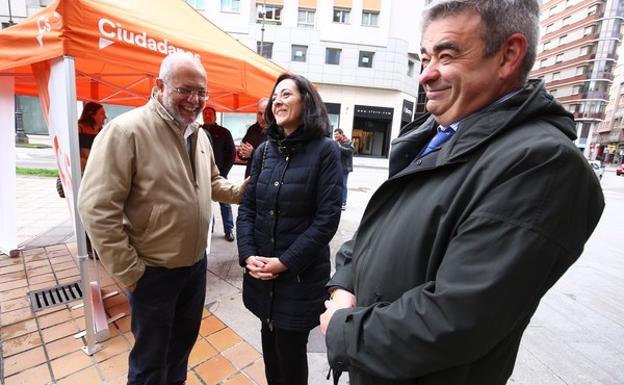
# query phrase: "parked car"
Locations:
[[620, 170], [598, 169]]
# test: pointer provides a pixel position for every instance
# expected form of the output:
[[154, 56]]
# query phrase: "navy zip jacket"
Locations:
[[290, 210]]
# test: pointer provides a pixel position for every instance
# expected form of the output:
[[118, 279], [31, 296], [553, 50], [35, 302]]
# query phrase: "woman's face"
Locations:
[[287, 106], [99, 117]]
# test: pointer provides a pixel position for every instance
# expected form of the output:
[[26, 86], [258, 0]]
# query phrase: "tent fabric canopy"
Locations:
[[118, 46]]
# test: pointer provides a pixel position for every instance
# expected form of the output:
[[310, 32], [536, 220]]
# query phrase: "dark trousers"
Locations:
[[166, 307], [285, 356]]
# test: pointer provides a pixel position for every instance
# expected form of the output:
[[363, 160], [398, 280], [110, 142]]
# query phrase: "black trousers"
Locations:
[[166, 307], [285, 356]]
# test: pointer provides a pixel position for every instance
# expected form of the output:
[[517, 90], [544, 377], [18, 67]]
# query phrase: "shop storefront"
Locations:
[[372, 127]]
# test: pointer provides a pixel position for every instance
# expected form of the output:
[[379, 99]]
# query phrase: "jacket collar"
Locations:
[[533, 102]]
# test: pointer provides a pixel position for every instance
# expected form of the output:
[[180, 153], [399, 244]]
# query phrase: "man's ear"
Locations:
[[511, 55], [160, 84]]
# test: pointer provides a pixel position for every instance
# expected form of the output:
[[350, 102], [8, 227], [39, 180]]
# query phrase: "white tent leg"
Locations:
[[63, 121], [8, 229]]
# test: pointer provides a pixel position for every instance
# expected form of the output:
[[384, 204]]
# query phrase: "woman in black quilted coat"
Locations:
[[289, 213]]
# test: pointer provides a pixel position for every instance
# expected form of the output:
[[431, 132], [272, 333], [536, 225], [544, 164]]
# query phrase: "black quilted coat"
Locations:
[[290, 210]]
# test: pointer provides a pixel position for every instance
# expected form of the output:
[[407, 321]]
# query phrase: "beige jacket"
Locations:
[[139, 201]]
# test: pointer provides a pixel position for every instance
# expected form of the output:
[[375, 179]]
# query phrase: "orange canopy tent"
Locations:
[[118, 46], [107, 51]]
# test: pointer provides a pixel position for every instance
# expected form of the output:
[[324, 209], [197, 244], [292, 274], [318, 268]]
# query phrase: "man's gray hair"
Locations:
[[501, 19], [262, 100], [170, 62]]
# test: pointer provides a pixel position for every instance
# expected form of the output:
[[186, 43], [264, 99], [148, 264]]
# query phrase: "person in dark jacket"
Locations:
[[255, 135], [287, 217], [456, 249], [224, 153], [346, 161]]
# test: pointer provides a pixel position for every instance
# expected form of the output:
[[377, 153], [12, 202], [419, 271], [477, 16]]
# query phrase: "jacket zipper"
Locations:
[[275, 204]]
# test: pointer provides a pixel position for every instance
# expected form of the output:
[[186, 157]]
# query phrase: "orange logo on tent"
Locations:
[[43, 24]]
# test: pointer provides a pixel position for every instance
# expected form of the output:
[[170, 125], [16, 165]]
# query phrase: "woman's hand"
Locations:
[[272, 265], [259, 267]]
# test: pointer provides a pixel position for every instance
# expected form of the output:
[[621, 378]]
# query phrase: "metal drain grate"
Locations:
[[55, 296]]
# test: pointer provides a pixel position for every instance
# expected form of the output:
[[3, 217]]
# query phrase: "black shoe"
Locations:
[[229, 236]]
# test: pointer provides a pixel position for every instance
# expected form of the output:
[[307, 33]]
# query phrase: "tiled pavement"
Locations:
[[575, 338], [39, 348]]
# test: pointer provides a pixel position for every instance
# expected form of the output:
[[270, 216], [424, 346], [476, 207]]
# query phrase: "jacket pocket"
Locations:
[[151, 222]]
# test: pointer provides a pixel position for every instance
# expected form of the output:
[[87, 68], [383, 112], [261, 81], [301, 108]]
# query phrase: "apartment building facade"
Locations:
[[362, 54], [609, 138], [577, 57]]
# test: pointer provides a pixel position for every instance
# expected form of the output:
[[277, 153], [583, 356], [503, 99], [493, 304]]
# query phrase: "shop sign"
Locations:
[[373, 112]]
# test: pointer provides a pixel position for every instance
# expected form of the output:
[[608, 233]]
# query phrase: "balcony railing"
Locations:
[[584, 95], [589, 115]]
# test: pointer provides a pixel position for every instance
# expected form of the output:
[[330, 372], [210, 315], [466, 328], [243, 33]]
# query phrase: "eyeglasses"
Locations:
[[187, 92]]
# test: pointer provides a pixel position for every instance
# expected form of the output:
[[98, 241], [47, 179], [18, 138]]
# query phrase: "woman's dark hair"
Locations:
[[314, 116], [89, 109]]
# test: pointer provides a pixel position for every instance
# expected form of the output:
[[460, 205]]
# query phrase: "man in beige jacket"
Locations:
[[145, 203]]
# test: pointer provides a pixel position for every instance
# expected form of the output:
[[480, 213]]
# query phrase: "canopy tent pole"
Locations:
[[63, 118], [8, 228]]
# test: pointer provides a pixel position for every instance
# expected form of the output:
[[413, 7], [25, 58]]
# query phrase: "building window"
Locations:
[[559, 58], [305, 19], [230, 6], [366, 59], [550, 28], [299, 53], [592, 10], [197, 4], [332, 55], [556, 76], [333, 113], [266, 50], [553, 92], [589, 30], [370, 18], [566, 20], [271, 14], [341, 15], [563, 39], [552, 11], [410, 68]]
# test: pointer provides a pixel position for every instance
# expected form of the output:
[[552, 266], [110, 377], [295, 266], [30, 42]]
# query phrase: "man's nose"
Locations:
[[429, 73], [193, 96]]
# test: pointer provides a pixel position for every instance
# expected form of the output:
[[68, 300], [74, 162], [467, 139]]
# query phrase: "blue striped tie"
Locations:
[[439, 139]]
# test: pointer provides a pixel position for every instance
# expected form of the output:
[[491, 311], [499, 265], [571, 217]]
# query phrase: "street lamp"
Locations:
[[10, 14], [262, 29]]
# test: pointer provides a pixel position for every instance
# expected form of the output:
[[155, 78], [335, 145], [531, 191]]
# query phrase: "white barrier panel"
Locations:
[[8, 228]]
